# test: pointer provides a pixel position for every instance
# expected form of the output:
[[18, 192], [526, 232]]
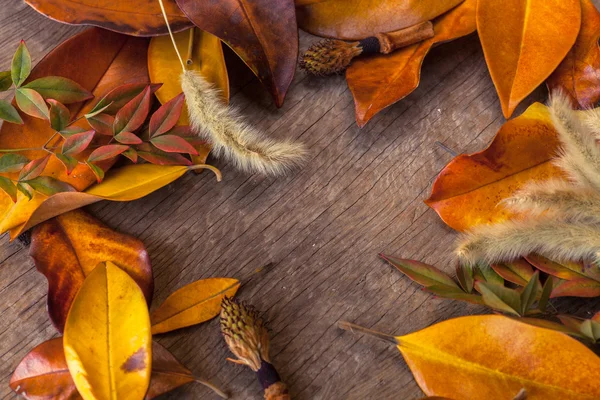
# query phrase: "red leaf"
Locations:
[[583, 287], [133, 114], [166, 116], [32, 103], [127, 138], [106, 152], [69, 162], [98, 172], [59, 115], [78, 142], [121, 95], [34, 168], [131, 154], [102, 123], [173, 144], [161, 158]]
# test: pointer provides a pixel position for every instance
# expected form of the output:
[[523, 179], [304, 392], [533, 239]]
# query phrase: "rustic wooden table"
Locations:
[[361, 193]]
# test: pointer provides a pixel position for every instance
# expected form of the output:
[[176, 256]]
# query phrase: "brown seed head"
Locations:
[[329, 57], [245, 333]]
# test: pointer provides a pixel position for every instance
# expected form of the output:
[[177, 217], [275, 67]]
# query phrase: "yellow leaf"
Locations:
[[494, 357], [124, 184], [107, 341], [193, 304]]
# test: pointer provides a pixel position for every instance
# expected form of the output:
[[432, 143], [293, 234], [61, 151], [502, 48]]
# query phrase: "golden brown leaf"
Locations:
[[262, 32], [67, 248], [467, 191], [132, 17], [111, 60], [358, 19], [193, 304], [524, 41], [495, 357], [399, 73], [579, 73], [107, 341]]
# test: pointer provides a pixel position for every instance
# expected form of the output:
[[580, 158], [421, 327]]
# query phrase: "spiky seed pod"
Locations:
[[329, 57], [247, 337]]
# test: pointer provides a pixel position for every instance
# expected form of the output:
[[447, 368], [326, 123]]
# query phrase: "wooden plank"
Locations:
[[361, 193]]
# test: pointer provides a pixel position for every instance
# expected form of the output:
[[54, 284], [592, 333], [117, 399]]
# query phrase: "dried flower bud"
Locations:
[[329, 57]]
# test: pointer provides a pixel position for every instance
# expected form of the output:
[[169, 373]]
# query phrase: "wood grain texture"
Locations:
[[361, 193]]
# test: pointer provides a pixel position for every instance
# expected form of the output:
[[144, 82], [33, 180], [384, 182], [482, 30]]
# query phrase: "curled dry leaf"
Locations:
[[128, 183], [193, 304], [523, 43], [43, 374], [467, 191], [111, 60], [579, 73], [132, 17], [399, 73], [488, 363], [358, 19], [107, 341], [262, 32], [67, 248]]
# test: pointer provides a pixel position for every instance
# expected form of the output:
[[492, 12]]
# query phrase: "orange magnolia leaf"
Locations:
[[111, 60], [399, 73], [494, 357], [127, 183], [524, 41], [579, 73], [467, 191], [262, 32], [358, 19], [132, 17], [193, 304], [43, 374], [67, 248], [107, 341]]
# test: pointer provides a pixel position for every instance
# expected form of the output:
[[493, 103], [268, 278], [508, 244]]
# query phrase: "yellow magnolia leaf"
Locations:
[[495, 357], [107, 340], [123, 184], [193, 304]]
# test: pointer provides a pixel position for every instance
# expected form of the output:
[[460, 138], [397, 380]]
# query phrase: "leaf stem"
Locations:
[[190, 50], [206, 166], [348, 326], [212, 387]]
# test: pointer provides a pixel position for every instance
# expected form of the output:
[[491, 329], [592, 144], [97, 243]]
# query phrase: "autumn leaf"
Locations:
[[111, 60], [59, 115], [12, 162], [467, 191], [60, 89], [43, 374], [518, 272], [358, 19], [67, 248], [32, 103], [165, 118], [192, 304], [399, 73], [582, 287], [128, 183], [5, 80], [21, 65], [8, 187], [133, 114], [106, 152], [9, 113], [173, 144], [579, 73], [524, 42], [127, 138], [102, 123], [263, 33], [107, 340], [421, 273], [565, 270], [489, 361], [77, 143], [132, 17], [33, 169]]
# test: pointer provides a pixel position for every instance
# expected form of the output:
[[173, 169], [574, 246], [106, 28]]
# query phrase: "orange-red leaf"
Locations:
[[399, 73], [59, 115], [127, 138], [524, 41], [166, 116], [262, 32], [107, 152], [583, 287], [173, 144], [102, 123], [579, 73], [33, 169], [467, 191], [77, 143], [133, 114], [67, 248]]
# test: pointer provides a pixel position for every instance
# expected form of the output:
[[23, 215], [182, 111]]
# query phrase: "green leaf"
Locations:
[[448, 292], [419, 272], [49, 186], [33, 169], [12, 162], [21, 65], [529, 293], [32, 103], [70, 131], [464, 273], [77, 143], [25, 189], [499, 297], [9, 114], [518, 272], [5, 81], [69, 162], [587, 327], [489, 275], [99, 172], [568, 271], [545, 296], [59, 115], [61, 89], [9, 188]]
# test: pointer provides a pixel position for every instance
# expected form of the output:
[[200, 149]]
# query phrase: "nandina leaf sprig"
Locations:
[[118, 125]]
